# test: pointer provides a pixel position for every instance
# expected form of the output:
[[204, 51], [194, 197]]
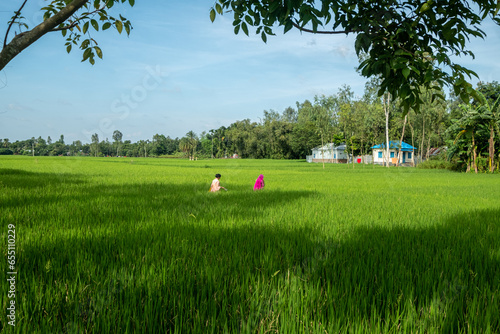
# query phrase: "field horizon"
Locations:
[[125, 245]]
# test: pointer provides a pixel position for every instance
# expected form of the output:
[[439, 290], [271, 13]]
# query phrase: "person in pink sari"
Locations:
[[259, 183]]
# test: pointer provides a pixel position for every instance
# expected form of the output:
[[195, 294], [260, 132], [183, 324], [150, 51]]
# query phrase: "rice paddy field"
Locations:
[[121, 245]]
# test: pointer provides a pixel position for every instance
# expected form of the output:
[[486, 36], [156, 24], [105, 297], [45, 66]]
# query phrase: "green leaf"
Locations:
[[127, 27], [249, 20], [401, 52], [85, 27], [264, 37], [87, 53], [85, 44], [94, 24], [212, 15], [362, 43], [469, 89], [288, 26], [68, 48], [236, 30], [106, 26], [131, 3], [244, 28], [406, 72], [119, 26], [414, 69], [274, 5], [257, 19], [218, 8], [98, 51], [103, 16]]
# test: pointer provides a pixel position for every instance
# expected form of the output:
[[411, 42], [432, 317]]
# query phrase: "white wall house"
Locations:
[[406, 156], [329, 153]]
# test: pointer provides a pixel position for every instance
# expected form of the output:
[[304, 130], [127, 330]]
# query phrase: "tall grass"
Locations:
[[139, 245]]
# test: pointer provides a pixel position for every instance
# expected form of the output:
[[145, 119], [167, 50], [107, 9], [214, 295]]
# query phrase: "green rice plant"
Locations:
[[119, 245]]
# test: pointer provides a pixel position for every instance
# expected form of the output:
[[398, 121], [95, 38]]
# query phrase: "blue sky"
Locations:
[[176, 72]]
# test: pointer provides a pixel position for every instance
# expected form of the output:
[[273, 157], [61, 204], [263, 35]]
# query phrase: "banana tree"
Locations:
[[466, 127], [490, 115]]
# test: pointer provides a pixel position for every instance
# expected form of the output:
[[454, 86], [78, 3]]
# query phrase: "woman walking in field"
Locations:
[[215, 186], [259, 183]]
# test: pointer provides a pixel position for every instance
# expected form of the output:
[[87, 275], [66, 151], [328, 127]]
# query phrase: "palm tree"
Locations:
[[184, 145], [117, 137], [192, 142], [95, 143]]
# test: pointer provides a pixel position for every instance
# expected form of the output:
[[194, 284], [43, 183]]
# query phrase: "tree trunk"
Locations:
[[491, 150], [373, 156], [401, 141], [332, 150], [362, 155], [474, 153], [427, 154], [322, 151], [412, 143], [423, 136], [352, 153], [386, 111]]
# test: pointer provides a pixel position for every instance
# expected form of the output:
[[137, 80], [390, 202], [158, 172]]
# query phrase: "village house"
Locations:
[[329, 153], [406, 156]]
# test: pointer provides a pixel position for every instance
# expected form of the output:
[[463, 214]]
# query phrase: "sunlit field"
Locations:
[[121, 245]]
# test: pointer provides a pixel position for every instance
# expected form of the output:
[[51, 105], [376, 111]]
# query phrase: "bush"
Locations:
[[437, 164], [5, 151], [482, 165]]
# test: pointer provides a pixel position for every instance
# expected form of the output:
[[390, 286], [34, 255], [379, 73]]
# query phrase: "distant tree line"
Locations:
[[467, 128], [159, 145]]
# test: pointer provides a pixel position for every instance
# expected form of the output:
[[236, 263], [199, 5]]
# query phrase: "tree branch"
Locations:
[[296, 25], [12, 22], [77, 20], [22, 41], [72, 25]]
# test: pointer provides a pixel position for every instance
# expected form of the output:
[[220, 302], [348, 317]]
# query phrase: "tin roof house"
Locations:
[[329, 153], [406, 156]]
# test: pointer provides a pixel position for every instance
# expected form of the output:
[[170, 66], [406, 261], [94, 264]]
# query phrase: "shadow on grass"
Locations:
[[17, 178], [83, 204], [188, 277], [172, 257]]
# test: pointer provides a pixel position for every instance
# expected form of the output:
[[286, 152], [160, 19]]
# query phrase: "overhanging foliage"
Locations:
[[410, 43]]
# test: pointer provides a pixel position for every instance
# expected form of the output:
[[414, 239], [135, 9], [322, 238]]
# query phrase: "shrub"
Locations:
[[482, 164], [5, 151], [437, 164]]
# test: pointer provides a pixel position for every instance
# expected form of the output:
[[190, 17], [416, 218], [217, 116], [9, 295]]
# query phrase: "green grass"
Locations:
[[139, 245]]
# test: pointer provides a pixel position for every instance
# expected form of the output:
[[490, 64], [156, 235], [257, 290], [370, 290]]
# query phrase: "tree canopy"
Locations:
[[73, 18], [410, 43]]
